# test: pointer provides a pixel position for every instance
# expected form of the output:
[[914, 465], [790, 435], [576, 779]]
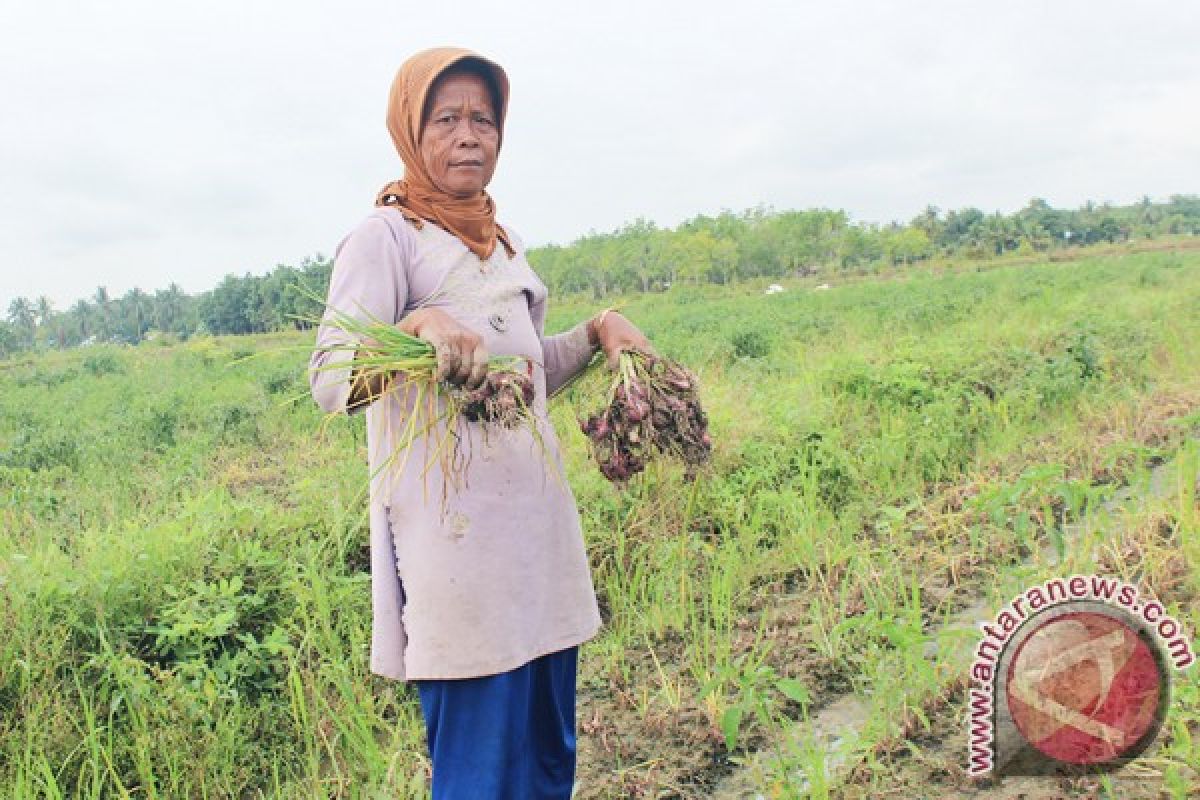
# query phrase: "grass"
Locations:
[[182, 558]]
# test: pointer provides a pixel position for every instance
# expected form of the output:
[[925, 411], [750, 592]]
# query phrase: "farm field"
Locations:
[[185, 611]]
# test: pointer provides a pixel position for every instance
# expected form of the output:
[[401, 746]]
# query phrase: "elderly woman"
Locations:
[[481, 599]]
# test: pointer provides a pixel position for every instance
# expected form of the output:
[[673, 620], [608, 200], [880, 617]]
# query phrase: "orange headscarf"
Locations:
[[472, 220]]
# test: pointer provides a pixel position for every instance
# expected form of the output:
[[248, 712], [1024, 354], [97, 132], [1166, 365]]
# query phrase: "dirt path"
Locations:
[[832, 733]]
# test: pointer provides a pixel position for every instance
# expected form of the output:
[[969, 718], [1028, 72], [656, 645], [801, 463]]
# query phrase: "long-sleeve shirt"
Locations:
[[495, 573]]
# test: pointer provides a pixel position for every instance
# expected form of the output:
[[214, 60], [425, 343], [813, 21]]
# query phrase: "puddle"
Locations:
[[830, 736]]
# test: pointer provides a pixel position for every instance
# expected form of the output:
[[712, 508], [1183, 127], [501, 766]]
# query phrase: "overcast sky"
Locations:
[[149, 142]]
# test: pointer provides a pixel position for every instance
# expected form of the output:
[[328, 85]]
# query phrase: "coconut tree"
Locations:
[[81, 318], [135, 317], [23, 317], [44, 309], [103, 312], [9, 341], [168, 308]]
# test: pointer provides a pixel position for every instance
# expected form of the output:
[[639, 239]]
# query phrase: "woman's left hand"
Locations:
[[613, 333]]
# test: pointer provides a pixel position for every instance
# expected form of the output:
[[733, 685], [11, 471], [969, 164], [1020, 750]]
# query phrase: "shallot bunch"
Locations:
[[505, 399], [405, 367], [653, 408]]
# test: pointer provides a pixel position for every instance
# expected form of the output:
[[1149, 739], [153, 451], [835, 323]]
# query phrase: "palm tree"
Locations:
[[135, 300], [1148, 213], [82, 314], [168, 308], [103, 313], [23, 318], [44, 309], [929, 221]]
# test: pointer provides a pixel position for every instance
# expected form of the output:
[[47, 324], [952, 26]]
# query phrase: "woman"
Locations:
[[482, 600]]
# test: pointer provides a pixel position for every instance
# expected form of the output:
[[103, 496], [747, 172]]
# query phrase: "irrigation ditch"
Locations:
[[832, 736]]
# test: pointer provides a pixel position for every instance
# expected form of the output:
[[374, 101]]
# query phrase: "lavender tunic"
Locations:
[[497, 574]]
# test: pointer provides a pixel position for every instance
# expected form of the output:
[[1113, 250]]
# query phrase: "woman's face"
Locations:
[[461, 136]]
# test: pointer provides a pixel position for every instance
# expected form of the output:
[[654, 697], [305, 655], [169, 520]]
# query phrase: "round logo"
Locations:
[[1087, 688]]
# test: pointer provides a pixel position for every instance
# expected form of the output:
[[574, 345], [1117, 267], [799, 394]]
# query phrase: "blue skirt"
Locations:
[[504, 736]]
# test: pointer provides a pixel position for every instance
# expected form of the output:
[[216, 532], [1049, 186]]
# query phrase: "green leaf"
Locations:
[[731, 721], [794, 690], [922, 716]]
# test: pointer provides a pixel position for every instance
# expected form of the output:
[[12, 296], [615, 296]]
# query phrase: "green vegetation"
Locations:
[[183, 586], [758, 243]]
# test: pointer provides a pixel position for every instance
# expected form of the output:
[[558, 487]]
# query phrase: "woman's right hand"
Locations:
[[462, 359]]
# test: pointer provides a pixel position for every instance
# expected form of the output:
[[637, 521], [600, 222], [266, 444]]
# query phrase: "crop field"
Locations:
[[184, 595]]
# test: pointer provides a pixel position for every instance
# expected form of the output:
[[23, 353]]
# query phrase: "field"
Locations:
[[185, 607]]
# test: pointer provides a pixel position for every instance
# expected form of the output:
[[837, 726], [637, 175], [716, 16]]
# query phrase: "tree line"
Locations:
[[722, 249], [238, 304]]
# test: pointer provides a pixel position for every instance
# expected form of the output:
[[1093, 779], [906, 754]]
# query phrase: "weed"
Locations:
[[103, 363], [881, 453], [750, 344], [40, 449]]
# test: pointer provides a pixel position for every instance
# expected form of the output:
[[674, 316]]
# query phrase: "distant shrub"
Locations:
[[39, 493], [102, 363], [907, 384], [158, 426], [280, 382], [808, 463], [1063, 368], [750, 344], [812, 326], [47, 377], [43, 449], [237, 423], [1084, 349], [836, 476], [165, 339], [203, 350]]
